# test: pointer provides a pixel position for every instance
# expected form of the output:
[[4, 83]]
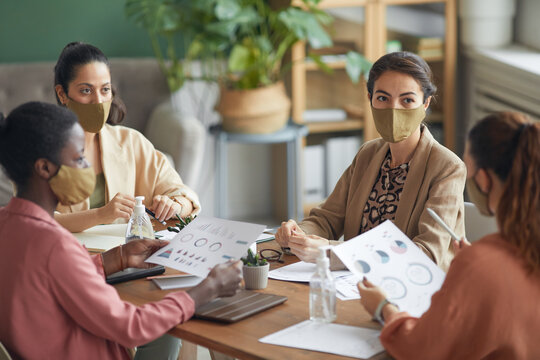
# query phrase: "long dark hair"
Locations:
[[407, 63], [73, 56], [33, 131], [508, 143]]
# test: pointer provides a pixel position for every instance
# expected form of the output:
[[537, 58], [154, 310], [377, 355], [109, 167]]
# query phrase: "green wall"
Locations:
[[38, 30]]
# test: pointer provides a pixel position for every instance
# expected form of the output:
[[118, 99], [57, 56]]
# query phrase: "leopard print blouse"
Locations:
[[384, 198]]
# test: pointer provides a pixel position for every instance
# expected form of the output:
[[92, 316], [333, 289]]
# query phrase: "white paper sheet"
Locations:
[[390, 260], [179, 281], [299, 271], [206, 242], [337, 339], [166, 234], [103, 237], [346, 286], [302, 272]]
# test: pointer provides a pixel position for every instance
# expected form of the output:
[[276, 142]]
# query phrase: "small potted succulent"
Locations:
[[255, 271], [181, 224]]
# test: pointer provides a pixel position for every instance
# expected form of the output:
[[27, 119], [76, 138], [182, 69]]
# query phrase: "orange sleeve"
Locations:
[[460, 315]]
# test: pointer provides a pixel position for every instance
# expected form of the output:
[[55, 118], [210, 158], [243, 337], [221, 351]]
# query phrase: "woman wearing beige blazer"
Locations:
[[394, 178], [125, 162]]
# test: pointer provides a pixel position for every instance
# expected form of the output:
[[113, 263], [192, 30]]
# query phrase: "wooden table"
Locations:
[[240, 339]]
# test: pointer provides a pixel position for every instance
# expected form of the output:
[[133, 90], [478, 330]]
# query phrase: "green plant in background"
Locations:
[[240, 43], [179, 35], [266, 30], [253, 259], [181, 224]]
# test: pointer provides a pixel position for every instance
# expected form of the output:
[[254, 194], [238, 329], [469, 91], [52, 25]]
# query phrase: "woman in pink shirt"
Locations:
[[487, 307], [54, 302]]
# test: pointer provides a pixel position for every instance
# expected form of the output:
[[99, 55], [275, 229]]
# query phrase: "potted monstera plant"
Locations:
[[252, 95], [242, 45]]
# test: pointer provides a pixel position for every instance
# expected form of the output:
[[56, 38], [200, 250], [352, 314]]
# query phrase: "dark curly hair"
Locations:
[[407, 63], [74, 55], [33, 131]]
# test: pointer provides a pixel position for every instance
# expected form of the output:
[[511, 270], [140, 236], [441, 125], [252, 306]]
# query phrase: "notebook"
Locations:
[[239, 306], [133, 273], [178, 281]]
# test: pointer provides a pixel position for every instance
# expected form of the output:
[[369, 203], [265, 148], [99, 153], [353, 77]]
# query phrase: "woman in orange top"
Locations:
[[487, 307]]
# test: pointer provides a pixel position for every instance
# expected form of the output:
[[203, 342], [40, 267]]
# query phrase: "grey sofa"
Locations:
[[142, 87]]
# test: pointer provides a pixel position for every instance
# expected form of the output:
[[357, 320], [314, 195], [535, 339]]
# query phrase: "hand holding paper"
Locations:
[[391, 261], [206, 242]]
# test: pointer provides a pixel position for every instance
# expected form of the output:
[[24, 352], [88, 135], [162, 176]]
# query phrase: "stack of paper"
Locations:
[[302, 272], [176, 281]]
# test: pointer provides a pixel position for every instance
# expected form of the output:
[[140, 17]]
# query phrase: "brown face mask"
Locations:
[[73, 185], [396, 125], [92, 117]]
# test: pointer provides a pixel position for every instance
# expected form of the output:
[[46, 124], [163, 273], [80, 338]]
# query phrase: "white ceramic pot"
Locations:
[[486, 23], [256, 277]]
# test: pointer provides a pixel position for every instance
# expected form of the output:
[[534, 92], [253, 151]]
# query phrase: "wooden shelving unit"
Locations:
[[373, 39]]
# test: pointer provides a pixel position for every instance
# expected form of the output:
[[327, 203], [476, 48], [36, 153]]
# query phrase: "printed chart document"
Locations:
[[103, 237], [303, 271], [206, 242], [353, 341], [390, 260]]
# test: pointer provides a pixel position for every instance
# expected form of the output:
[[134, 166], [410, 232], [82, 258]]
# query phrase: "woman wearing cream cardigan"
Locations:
[[393, 178], [125, 162]]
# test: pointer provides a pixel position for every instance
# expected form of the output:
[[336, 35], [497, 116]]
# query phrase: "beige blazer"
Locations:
[[436, 179], [133, 166]]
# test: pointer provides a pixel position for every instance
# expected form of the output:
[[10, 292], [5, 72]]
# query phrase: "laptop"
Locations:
[[238, 307]]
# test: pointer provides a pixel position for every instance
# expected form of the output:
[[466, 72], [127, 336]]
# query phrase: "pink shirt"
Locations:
[[54, 302], [487, 308]]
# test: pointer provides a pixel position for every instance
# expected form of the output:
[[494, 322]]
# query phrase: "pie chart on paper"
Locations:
[[381, 256], [362, 266], [398, 247]]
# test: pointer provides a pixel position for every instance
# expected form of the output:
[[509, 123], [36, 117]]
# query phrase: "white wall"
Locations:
[[527, 23]]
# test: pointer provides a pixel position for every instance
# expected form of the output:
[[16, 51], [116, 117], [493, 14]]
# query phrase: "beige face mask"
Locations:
[[73, 185], [478, 198], [396, 125], [92, 117]]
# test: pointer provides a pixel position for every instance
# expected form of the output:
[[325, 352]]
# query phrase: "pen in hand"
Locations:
[[154, 216], [441, 222]]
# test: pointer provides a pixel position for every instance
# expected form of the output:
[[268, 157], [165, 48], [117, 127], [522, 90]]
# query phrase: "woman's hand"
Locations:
[[227, 278], [370, 295], [223, 280], [460, 245], [121, 206], [285, 232], [306, 247], [164, 207], [136, 251]]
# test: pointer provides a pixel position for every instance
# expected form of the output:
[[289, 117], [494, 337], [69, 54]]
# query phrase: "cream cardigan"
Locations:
[[133, 166], [436, 179]]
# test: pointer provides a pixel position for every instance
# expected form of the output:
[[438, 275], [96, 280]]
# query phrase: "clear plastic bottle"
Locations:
[[139, 225], [322, 291]]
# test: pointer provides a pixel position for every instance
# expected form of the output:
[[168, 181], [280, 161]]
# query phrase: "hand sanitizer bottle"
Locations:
[[139, 225], [322, 291]]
